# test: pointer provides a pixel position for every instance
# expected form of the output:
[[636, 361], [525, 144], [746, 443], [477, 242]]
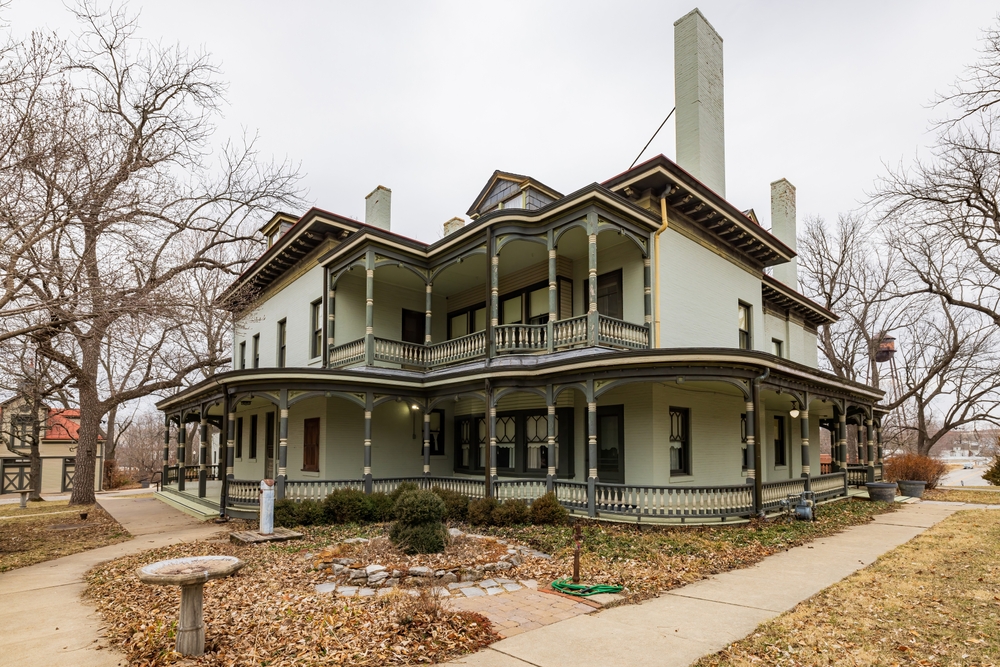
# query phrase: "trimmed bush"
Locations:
[[546, 511], [511, 513], [286, 513], [380, 507], [481, 511], [914, 467], [422, 538], [347, 506], [403, 488], [310, 513], [456, 504], [417, 507], [992, 475]]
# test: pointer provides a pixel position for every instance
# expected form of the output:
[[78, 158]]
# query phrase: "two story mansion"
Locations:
[[638, 346]]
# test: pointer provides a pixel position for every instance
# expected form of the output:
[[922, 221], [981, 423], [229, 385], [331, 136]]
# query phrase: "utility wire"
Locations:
[[652, 137]]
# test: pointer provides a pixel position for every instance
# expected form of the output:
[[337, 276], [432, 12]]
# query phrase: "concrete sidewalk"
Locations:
[[45, 620], [687, 623]]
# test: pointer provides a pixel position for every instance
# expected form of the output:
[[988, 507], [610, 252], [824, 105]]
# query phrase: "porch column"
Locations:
[[428, 303], [878, 441], [331, 324], [492, 425], [166, 450], [858, 433], [494, 298], [592, 315], [368, 442], [840, 453], [752, 456], [592, 444], [231, 436], [647, 282], [806, 470], [758, 459], [282, 444], [202, 455], [870, 449], [550, 478], [427, 443], [553, 291], [225, 435], [369, 308], [181, 443]]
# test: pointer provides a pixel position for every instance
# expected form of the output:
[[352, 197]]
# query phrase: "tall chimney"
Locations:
[[698, 96], [784, 227], [377, 207]]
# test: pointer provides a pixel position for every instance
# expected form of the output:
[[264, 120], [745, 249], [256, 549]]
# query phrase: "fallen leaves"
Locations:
[[26, 540]]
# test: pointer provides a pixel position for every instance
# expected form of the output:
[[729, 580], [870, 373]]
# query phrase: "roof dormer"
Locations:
[[277, 226], [506, 191]]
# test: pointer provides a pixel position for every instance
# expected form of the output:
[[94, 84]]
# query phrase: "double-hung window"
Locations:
[[609, 294], [243, 355], [746, 341], [316, 322], [256, 351], [680, 441], [743, 440], [239, 437], [780, 447], [282, 336], [253, 436]]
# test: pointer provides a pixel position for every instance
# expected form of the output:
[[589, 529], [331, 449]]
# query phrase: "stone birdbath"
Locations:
[[190, 574]]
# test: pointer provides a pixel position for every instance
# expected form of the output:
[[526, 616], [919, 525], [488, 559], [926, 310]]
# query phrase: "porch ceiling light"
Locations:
[[414, 407], [680, 380], [794, 414]]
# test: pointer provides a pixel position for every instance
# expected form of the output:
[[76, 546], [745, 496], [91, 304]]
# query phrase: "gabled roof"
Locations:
[[519, 179]]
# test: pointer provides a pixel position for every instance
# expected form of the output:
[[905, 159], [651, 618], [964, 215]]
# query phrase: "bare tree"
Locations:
[[142, 208], [140, 448]]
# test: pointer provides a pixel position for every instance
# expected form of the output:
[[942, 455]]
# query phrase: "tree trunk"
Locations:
[[35, 456], [90, 426], [110, 439]]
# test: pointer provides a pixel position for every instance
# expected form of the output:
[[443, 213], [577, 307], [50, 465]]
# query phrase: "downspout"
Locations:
[[656, 266], [758, 482]]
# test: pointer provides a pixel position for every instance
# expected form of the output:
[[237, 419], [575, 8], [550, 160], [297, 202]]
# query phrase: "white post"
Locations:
[[266, 507]]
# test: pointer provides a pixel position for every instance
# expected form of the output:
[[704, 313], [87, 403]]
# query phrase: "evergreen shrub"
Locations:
[[456, 504], [511, 513], [546, 511], [481, 511], [347, 506]]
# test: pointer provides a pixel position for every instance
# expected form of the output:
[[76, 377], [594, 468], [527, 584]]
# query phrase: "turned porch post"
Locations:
[[181, 444], [427, 443], [553, 291], [202, 454], [368, 442], [591, 448], [870, 449], [166, 450], [878, 440], [758, 459], [593, 319], [753, 456], [647, 282], [550, 478], [225, 443], [428, 305], [804, 424], [494, 260], [840, 456], [331, 323], [369, 307], [282, 444]]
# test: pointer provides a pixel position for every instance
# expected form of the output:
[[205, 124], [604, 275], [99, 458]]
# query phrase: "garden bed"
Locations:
[[271, 612]]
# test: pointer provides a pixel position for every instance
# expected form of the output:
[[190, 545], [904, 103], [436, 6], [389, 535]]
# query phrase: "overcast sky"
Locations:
[[428, 98]]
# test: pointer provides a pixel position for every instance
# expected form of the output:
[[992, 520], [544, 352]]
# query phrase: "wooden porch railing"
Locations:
[[348, 353], [857, 474], [456, 349], [519, 337], [520, 489], [571, 494], [318, 489], [831, 485], [682, 502], [472, 488], [172, 475], [772, 493], [619, 333], [242, 492]]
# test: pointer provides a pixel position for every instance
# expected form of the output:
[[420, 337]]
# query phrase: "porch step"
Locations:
[[199, 508]]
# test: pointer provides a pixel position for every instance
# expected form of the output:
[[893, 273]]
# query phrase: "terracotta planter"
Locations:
[[912, 488], [881, 492]]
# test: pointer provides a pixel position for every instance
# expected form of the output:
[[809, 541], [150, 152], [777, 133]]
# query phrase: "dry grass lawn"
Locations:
[[48, 530], [932, 601], [965, 496]]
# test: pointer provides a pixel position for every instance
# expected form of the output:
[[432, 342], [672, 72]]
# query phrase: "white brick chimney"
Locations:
[[453, 225], [378, 206], [783, 226], [698, 96]]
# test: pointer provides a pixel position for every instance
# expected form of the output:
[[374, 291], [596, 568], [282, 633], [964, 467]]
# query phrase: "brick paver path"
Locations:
[[522, 610]]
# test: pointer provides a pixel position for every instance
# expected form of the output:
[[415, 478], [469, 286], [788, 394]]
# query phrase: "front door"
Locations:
[[413, 327], [611, 444]]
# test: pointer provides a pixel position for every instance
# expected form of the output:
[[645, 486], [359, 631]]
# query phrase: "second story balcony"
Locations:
[[580, 285]]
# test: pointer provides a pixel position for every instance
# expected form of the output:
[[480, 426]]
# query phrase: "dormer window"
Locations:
[[515, 202]]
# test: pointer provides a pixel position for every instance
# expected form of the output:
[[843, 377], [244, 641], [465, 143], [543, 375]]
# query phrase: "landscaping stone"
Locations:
[[384, 591], [338, 568], [441, 592], [496, 590], [511, 587], [457, 585], [487, 583], [421, 571], [530, 583], [455, 532], [356, 540], [448, 578], [503, 565], [377, 577], [355, 575], [372, 569], [346, 591], [326, 588], [467, 576], [473, 592], [390, 582], [366, 592], [439, 573]]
